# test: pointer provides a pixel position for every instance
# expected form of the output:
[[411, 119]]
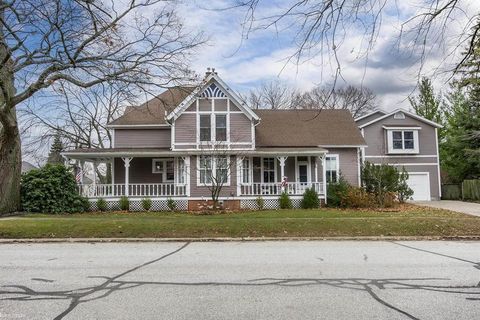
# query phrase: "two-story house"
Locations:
[[188, 139]]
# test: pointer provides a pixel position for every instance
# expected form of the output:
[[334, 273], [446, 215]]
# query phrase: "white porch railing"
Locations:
[[293, 188], [134, 190]]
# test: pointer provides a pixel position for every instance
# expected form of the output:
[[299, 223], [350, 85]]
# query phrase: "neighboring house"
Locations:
[[169, 147], [27, 166], [405, 140]]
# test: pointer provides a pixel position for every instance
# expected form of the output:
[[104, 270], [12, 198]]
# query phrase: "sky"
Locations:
[[391, 70]]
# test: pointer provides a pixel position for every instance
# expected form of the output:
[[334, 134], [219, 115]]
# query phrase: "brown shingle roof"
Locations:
[[306, 128], [153, 111]]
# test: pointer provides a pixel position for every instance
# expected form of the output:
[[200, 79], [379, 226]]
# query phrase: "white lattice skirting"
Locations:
[[136, 205], [268, 203]]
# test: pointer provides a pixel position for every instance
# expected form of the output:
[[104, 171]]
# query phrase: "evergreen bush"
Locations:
[[102, 205], [146, 204], [51, 189], [124, 203], [171, 204], [336, 191], [260, 203], [310, 199], [285, 201]]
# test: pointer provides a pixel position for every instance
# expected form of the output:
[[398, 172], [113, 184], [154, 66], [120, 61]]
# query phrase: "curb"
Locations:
[[248, 239]]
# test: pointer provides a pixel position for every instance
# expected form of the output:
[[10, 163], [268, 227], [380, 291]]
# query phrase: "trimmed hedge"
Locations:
[[51, 189]]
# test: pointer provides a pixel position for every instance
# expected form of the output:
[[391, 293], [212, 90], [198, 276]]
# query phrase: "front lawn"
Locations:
[[411, 221]]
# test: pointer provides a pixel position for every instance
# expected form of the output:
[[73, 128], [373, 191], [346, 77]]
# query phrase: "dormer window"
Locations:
[[402, 140]]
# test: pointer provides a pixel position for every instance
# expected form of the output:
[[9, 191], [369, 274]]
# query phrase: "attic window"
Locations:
[[399, 115]]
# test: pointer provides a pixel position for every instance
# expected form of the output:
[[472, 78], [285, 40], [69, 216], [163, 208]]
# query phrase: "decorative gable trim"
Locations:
[[213, 92], [220, 88], [415, 116]]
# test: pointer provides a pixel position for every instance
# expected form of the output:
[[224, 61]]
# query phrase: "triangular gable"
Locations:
[[413, 115], [212, 86], [370, 114]]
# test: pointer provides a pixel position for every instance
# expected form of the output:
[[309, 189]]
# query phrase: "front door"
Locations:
[[302, 177], [302, 173]]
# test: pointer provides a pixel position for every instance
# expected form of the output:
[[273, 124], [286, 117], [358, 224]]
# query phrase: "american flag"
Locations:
[[79, 174]]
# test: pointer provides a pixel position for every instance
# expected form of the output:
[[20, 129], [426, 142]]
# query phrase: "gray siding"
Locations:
[[186, 129], [369, 118], [240, 128], [424, 161], [348, 163], [203, 191], [140, 171], [375, 136], [146, 138]]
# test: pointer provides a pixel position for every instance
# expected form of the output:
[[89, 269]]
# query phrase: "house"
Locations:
[[191, 141], [405, 140]]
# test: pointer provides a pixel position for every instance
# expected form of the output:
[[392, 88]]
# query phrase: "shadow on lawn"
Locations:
[[113, 284]]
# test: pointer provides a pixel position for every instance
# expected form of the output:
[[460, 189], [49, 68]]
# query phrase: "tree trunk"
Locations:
[[10, 162]]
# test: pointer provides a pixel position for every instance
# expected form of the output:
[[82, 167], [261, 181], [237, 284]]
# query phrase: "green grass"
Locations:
[[410, 221]]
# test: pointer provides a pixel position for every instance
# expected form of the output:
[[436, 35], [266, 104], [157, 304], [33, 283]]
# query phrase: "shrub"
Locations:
[[383, 180], [310, 199], [146, 204], [404, 192], [51, 189], [171, 204], [124, 203], [285, 202], [260, 203], [336, 191], [101, 204], [356, 197]]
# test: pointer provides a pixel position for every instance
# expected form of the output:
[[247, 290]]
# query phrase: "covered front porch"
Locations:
[[272, 171], [136, 173]]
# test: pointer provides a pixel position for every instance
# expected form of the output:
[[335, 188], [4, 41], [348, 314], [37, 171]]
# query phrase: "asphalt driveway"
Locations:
[[458, 206], [241, 280]]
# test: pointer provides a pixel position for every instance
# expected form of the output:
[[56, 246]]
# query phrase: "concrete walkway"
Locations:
[[458, 206]]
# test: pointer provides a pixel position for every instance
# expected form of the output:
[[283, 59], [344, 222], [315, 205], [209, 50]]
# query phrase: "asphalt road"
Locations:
[[241, 280]]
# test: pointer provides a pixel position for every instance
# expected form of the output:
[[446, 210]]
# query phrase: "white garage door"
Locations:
[[420, 184]]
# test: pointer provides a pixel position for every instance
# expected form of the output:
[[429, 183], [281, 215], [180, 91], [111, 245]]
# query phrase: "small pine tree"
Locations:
[[54, 156]]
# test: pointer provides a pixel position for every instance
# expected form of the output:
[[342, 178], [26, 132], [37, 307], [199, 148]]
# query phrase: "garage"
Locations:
[[419, 182]]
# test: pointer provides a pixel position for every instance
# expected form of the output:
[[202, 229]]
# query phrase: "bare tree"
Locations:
[[358, 101], [273, 94], [321, 26], [78, 115], [83, 43]]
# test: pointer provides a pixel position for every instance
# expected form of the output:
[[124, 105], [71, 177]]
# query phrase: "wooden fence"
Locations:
[[467, 190]]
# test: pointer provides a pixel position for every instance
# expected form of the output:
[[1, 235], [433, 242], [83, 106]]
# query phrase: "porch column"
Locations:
[[94, 182], [282, 160], [82, 172], [126, 162], [324, 177], [316, 169], [239, 174], [187, 174]]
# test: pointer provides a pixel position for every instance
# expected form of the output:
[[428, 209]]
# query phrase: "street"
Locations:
[[241, 280]]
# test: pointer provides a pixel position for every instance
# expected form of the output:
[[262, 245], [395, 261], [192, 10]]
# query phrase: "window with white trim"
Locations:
[[165, 167], [221, 127], [245, 171], [181, 173], [402, 141], [268, 165], [213, 168], [205, 127], [332, 168]]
